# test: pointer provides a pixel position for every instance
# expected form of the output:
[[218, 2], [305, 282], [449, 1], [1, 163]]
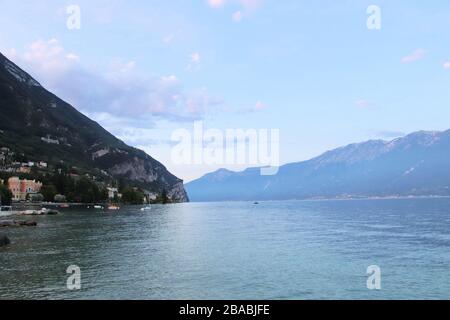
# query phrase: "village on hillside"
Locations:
[[26, 181]]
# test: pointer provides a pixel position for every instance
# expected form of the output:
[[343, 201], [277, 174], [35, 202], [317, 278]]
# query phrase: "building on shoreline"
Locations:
[[113, 193], [24, 170], [22, 188]]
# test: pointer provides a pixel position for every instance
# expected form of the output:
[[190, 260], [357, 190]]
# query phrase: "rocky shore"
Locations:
[[4, 240], [42, 212], [17, 223], [29, 212]]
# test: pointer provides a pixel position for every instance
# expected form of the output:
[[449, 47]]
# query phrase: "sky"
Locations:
[[312, 69]]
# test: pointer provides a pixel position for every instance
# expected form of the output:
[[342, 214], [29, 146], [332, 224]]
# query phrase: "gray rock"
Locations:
[[4, 241], [51, 212], [26, 223], [17, 223], [5, 223], [41, 212], [149, 172]]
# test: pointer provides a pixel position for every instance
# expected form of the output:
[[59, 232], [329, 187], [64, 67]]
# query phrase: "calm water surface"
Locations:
[[274, 250]]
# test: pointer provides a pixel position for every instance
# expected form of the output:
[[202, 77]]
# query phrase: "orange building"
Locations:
[[21, 188]]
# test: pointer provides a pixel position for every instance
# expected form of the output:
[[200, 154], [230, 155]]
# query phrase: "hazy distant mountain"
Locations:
[[38, 124], [415, 165]]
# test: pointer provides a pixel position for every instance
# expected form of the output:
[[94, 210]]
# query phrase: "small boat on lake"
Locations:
[[113, 207]]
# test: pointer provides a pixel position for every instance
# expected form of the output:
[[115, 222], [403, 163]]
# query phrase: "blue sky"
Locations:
[[309, 68]]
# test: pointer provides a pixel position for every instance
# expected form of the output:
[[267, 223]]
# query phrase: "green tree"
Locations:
[[87, 191], [132, 196], [49, 192], [5, 195], [164, 197], [36, 197], [103, 194], [60, 198], [84, 191]]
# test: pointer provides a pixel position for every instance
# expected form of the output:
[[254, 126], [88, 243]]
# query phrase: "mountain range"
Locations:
[[415, 165], [40, 126]]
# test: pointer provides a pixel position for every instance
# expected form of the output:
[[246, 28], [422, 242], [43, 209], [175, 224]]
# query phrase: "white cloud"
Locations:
[[250, 5], [238, 16], [72, 56], [195, 57], [447, 65], [44, 58], [259, 106], [53, 41], [194, 60], [118, 90], [418, 54], [170, 80], [216, 3], [11, 53], [244, 5], [168, 39], [361, 103]]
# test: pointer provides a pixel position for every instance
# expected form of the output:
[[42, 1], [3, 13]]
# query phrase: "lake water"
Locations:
[[274, 250]]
